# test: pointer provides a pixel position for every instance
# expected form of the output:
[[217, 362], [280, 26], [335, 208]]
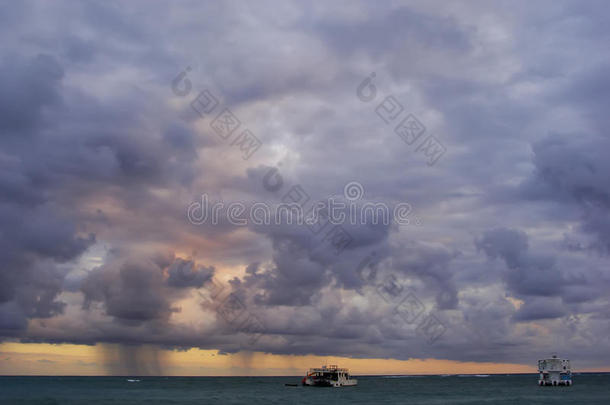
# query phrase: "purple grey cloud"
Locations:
[[99, 160]]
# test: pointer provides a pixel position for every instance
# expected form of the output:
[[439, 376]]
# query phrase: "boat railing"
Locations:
[[328, 369]]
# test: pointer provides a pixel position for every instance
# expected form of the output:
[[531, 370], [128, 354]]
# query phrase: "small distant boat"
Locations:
[[132, 380], [329, 376], [554, 371]]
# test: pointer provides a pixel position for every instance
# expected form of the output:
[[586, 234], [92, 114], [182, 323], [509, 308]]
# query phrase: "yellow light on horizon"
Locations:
[[104, 359]]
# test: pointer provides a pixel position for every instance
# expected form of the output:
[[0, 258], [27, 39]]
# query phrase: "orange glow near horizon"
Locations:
[[110, 359]]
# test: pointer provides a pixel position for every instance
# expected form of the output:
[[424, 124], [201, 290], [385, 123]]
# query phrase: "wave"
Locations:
[[473, 375]]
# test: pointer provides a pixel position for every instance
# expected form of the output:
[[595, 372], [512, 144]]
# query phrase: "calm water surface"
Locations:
[[495, 389]]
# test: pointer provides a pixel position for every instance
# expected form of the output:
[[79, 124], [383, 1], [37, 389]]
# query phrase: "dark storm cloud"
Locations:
[[527, 274], [50, 159], [184, 273], [99, 160], [133, 289], [292, 268], [37, 235], [430, 263], [574, 169]]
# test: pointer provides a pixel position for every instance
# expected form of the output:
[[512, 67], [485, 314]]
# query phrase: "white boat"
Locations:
[[329, 376], [554, 371]]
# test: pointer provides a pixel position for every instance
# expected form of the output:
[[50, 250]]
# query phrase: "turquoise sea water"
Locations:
[[495, 389]]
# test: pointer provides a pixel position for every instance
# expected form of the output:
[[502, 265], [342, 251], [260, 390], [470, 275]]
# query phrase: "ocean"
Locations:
[[493, 389]]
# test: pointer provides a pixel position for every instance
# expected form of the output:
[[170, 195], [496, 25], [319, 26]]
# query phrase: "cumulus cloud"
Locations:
[[184, 273]]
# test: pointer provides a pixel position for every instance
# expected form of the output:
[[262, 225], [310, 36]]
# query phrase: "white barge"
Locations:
[[329, 376], [554, 371]]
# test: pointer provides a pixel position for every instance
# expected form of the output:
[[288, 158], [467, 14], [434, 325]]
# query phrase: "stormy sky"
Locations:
[[117, 117]]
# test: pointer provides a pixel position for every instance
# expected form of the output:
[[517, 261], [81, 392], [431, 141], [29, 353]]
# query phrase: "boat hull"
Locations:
[[309, 382]]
